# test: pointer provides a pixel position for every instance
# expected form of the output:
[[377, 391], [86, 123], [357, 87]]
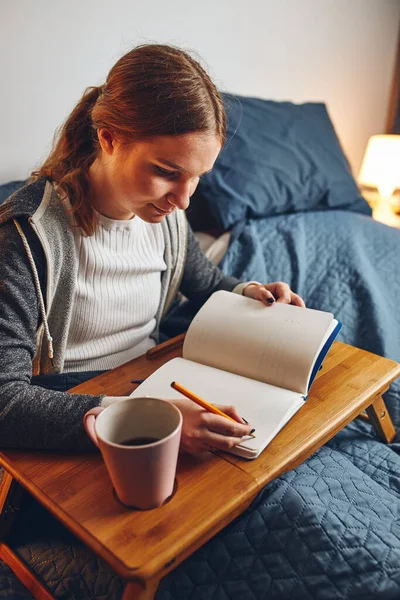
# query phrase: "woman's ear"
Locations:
[[107, 140]]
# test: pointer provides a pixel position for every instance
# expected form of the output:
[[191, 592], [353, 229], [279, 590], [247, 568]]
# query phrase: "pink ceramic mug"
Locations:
[[139, 441]]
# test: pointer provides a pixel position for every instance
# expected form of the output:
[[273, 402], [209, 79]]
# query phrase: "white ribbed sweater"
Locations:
[[117, 293]]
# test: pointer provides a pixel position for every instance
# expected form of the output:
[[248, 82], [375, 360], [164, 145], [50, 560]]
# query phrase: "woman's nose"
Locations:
[[180, 196]]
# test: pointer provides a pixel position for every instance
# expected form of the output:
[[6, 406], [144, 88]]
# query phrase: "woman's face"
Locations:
[[151, 178]]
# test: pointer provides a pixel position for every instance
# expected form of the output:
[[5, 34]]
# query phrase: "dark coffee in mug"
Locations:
[[139, 441]]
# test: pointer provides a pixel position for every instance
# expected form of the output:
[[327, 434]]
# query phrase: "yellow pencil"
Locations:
[[179, 388]]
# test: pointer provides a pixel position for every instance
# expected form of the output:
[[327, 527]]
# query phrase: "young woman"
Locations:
[[95, 248]]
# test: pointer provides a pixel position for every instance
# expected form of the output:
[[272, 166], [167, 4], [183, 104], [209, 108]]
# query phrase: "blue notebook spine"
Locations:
[[324, 351]]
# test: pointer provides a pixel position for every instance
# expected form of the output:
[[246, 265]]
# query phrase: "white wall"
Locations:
[[341, 52]]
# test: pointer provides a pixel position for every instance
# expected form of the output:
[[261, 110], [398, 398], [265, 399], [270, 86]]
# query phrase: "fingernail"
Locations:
[[243, 419], [252, 431], [270, 300]]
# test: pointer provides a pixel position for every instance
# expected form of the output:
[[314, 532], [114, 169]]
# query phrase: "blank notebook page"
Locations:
[[265, 407]]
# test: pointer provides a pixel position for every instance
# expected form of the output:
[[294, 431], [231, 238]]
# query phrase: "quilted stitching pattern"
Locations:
[[326, 530], [10, 587], [67, 567]]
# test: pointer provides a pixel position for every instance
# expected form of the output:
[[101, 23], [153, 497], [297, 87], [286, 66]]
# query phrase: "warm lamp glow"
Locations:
[[381, 164]]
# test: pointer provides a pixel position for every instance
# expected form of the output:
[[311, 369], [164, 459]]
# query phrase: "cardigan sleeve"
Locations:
[[201, 277], [30, 416]]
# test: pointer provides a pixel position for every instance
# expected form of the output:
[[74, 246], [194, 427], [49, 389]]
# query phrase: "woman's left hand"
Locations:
[[268, 293]]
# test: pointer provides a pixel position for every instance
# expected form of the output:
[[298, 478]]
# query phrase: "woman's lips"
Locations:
[[161, 211]]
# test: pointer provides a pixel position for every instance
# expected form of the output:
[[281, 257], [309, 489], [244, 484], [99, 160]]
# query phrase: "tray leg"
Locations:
[[134, 591], [26, 577], [10, 498], [380, 419]]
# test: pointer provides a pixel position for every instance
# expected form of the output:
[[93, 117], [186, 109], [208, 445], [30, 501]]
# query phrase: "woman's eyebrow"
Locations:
[[176, 167], [171, 164]]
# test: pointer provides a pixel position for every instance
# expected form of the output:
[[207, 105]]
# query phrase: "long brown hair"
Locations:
[[152, 90]]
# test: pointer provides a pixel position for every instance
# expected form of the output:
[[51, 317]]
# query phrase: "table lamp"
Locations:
[[381, 169]]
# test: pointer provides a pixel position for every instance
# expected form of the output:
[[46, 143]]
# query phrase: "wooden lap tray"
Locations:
[[142, 546]]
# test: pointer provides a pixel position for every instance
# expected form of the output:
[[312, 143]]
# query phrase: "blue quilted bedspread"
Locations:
[[330, 529]]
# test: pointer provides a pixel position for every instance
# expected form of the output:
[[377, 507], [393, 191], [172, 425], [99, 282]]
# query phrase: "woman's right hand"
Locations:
[[205, 431]]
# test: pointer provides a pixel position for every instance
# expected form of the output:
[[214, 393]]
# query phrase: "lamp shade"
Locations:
[[381, 164]]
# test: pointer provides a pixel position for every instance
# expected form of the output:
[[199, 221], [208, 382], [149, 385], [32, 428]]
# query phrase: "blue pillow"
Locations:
[[9, 188], [279, 158]]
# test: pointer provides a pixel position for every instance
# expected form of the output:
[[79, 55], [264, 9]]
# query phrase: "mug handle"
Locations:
[[89, 420]]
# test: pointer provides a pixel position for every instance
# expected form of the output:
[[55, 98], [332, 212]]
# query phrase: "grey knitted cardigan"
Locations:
[[36, 235]]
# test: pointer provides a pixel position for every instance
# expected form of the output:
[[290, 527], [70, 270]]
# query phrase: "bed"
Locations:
[[281, 204]]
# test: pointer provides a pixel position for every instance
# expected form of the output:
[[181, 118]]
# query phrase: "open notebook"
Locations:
[[261, 359]]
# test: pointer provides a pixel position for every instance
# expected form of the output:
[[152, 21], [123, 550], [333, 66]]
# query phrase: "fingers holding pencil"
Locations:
[[208, 426], [203, 431], [228, 428]]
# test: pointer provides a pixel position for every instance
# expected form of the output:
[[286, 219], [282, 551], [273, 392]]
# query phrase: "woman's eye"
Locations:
[[164, 172]]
